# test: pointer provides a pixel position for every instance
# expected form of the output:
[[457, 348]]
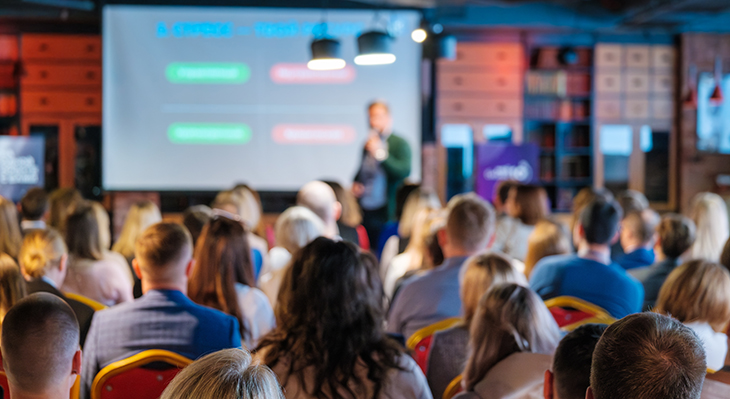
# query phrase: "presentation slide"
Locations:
[[201, 98]]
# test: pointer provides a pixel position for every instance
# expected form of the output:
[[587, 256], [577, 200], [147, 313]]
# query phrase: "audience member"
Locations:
[[10, 236], [526, 205], [448, 353], [674, 236], [43, 261], [251, 209], [226, 374], [697, 294], [584, 197], [645, 356], [571, 374], [329, 341], [12, 285], [62, 202], [350, 217], [319, 198], [547, 239], [630, 201], [40, 347], [223, 279], [390, 228], [34, 209], [513, 337], [294, 229], [709, 213], [164, 317], [434, 295], [501, 194], [141, 215], [194, 218], [105, 239], [89, 274], [590, 275], [637, 239]]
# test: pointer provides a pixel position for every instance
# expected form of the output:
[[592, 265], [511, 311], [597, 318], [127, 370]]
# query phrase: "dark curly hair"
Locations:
[[330, 318]]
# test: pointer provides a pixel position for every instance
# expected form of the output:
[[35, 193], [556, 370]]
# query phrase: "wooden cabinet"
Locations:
[[56, 48]]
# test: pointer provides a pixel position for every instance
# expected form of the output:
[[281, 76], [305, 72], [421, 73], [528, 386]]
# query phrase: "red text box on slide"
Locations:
[[284, 73], [313, 134]]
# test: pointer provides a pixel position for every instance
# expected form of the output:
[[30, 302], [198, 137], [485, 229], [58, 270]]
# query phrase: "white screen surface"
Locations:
[[201, 98]]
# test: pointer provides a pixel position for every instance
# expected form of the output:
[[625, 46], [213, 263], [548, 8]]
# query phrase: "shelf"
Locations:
[[583, 69], [544, 96], [557, 122], [580, 151]]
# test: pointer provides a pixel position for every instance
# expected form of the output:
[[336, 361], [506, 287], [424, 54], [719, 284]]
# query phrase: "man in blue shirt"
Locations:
[[590, 275], [434, 296], [637, 239], [164, 317]]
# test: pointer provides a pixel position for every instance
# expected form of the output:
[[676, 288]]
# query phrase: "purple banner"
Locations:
[[499, 162]]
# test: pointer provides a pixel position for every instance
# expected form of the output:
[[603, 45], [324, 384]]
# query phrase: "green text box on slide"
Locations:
[[209, 133], [207, 73]]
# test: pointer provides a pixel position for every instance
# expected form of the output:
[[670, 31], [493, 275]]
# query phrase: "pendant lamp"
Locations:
[[326, 55], [374, 48], [717, 97]]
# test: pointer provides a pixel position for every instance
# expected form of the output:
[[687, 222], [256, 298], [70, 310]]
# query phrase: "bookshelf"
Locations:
[[557, 118], [9, 85]]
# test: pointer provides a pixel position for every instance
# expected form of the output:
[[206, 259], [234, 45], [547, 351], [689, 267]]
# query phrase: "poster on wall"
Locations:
[[713, 116], [500, 162], [21, 165]]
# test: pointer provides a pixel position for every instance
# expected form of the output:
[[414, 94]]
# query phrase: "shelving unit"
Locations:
[[557, 118], [9, 88]]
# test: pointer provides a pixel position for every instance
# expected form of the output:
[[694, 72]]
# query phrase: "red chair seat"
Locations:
[[139, 383]]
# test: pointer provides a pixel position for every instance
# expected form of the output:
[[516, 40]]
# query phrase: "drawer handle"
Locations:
[[501, 107], [90, 101], [43, 100], [458, 81], [44, 74], [458, 106], [43, 47], [90, 48], [501, 82], [90, 75], [637, 82]]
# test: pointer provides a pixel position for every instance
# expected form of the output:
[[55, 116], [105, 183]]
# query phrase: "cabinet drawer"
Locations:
[[637, 82], [492, 55], [61, 47], [608, 82], [636, 109], [484, 82], [662, 83], [8, 47], [62, 75], [663, 57], [608, 109], [61, 102], [608, 55], [637, 56], [486, 108]]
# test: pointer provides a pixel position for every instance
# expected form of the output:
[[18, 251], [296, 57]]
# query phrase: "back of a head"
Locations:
[[41, 250], [10, 236], [251, 208], [401, 196], [351, 214], [648, 356], [470, 223], [194, 218], [12, 284], [676, 234], [34, 204], [632, 201], [226, 374], [82, 233], [531, 203], [600, 220], [62, 202], [481, 272], [547, 239], [584, 197], [572, 361], [297, 227], [501, 192], [141, 215], [709, 213], [418, 201], [319, 198], [40, 338], [697, 291], [642, 224], [163, 250]]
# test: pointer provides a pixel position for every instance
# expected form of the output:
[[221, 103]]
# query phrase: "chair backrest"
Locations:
[[420, 341], [75, 389], [362, 237], [86, 301], [571, 313], [453, 388], [128, 378]]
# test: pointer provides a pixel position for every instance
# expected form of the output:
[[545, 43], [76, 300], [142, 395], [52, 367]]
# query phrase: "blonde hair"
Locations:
[[481, 272], [41, 250], [102, 220], [12, 285], [226, 374], [697, 291], [709, 213], [61, 203], [141, 215], [547, 239], [9, 228], [297, 227], [423, 223], [510, 318], [416, 201], [250, 208]]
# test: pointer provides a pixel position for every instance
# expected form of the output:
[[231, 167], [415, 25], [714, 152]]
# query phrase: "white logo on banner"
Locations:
[[17, 169], [522, 172]]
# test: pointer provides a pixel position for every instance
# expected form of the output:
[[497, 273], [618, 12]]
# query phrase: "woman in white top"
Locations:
[[709, 212], [223, 278], [295, 228], [526, 205], [697, 293]]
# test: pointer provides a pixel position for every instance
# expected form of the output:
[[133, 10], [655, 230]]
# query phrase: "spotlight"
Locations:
[[419, 35], [326, 55], [374, 49]]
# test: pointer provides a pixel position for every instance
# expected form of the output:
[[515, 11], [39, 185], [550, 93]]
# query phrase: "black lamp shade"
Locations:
[[325, 48]]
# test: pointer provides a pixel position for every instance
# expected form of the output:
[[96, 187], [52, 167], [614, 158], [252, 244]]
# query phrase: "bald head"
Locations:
[[318, 197], [40, 341]]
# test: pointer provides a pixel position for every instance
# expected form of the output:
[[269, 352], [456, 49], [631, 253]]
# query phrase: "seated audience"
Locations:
[[637, 239], [10, 236], [195, 218], [351, 216], [105, 239], [40, 347], [43, 261], [630, 201], [571, 373], [448, 353], [646, 356], [434, 295], [499, 200], [709, 213], [226, 374], [319, 198], [62, 202], [164, 317], [584, 197], [547, 239], [34, 210], [674, 235], [390, 228], [223, 279], [330, 341], [89, 274], [590, 275], [526, 205], [294, 229], [141, 215], [513, 337], [697, 294], [12, 285]]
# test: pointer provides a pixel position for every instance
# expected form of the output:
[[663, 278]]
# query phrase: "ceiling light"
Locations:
[[374, 49], [326, 55], [419, 35]]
